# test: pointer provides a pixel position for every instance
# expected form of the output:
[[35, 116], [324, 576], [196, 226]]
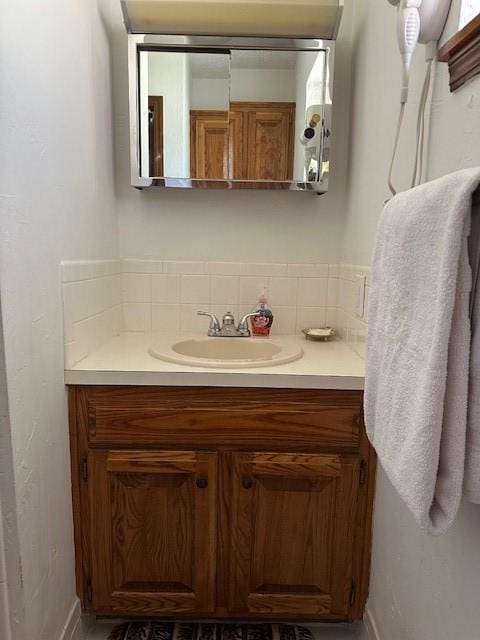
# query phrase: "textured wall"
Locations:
[[56, 202], [422, 588]]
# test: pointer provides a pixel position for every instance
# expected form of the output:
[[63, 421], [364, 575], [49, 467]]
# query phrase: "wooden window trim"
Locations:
[[462, 53]]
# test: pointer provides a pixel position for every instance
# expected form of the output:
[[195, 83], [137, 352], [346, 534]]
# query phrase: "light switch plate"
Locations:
[[360, 296]]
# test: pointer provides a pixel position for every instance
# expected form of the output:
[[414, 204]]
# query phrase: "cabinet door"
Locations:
[[270, 144], [209, 142], [153, 520], [292, 532]]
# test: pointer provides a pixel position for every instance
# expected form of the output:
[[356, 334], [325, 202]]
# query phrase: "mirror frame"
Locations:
[[145, 42]]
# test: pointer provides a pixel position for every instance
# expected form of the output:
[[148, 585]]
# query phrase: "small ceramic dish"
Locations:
[[322, 333]]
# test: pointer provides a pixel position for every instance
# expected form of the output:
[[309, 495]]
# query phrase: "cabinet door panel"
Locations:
[[270, 145], [153, 531], [292, 528], [209, 142]]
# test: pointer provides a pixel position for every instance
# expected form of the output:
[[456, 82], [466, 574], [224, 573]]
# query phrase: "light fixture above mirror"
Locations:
[[260, 18]]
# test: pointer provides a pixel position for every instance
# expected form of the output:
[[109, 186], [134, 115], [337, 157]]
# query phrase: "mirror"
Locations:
[[234, 118]]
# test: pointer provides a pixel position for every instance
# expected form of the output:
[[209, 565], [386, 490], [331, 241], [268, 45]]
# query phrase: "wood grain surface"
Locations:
[[221, 502]]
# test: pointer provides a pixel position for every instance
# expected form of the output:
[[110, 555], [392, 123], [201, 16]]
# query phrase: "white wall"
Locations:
[[209, 93], [263, 85], [232, 226], [57, 202], [244, 85], [11, 597], [168, 76], [422, 588]]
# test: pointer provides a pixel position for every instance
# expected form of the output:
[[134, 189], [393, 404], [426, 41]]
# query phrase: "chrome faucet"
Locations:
[[228, 329]]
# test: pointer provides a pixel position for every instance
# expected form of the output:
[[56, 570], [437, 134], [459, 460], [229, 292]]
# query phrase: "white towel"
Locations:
[[418, 346], [471, 483]]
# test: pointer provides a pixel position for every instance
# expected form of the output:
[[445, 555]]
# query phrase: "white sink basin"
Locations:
[[228, 353]]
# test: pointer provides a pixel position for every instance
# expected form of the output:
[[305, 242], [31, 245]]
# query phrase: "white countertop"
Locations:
[[125, 360]]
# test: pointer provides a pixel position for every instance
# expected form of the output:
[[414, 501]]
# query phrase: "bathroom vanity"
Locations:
[[220, 494]]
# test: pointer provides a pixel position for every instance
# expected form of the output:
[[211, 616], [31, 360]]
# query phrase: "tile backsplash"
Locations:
[[92, 306], [165, 296], [350, 326], [101, 298]]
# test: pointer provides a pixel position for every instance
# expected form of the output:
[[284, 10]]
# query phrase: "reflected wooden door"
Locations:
[[263, 140], [155, 135], [270, 143], [209, 141], [292, 530], [153, 520], [237, 146]]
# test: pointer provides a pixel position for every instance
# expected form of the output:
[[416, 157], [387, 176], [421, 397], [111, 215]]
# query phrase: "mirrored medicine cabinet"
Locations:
[[230, 113]]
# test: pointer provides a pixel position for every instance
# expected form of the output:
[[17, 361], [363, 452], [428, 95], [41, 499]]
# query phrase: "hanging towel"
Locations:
[[471, 486], [418, 347]]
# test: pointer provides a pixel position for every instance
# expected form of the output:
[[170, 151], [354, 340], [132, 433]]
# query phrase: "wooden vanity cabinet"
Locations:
[[221, 502]]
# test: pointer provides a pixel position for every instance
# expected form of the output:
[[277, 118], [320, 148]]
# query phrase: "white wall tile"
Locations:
[[264, 269], [224, 290], [251, 288], [310, 318], [103, 301], [284, 321], [308, 270], [191, 322], [166, 318], [74, 352], [92, 298], [331, 319], [312, 292], [166, 288], [171, 266], [136, 287], [141, 266], [346, 294], [334, 270], [282, 292], [137, 316], [89, 297], [195, 289], [225, 268], [332, 292]]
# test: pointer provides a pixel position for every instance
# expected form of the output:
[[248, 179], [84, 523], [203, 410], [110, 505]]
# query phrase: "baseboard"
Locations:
[[370, 625], [73, 629]]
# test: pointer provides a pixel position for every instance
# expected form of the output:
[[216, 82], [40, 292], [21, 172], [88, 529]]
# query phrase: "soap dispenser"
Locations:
[[263, 319]]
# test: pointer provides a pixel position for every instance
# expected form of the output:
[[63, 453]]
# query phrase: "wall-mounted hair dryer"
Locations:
[[419, 21]]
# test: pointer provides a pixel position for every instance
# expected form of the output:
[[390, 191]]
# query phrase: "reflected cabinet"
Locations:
[[224, 113]]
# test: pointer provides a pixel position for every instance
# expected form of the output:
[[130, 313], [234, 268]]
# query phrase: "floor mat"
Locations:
[[204, 631]]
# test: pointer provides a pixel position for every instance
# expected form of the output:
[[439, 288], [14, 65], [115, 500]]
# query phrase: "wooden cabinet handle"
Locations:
[[202, 483], [247, 483]]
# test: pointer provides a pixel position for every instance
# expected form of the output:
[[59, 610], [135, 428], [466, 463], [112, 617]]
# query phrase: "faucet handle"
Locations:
[[214, 328], [243, 324]]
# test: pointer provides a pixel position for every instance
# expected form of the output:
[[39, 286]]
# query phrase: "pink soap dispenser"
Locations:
[[263, 319]]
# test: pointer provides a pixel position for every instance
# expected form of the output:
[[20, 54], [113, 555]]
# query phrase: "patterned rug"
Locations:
[[200, 631]]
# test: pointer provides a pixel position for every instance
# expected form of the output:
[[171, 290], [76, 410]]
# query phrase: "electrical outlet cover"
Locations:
[[360, 296]]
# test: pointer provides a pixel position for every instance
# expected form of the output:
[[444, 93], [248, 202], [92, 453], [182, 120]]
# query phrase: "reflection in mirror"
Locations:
[[276, 96], [173, 87], [209, 100], [244, 115]]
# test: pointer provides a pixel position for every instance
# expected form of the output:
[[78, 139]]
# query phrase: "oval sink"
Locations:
[[227, 353]]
